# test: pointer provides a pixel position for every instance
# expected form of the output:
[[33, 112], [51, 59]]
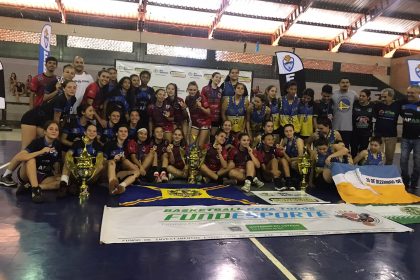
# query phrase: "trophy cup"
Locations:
[[195, 158], [83, 169], [304, 166]]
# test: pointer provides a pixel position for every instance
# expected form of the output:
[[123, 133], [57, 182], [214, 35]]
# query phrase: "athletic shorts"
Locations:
[[34, 117], [39, 175]]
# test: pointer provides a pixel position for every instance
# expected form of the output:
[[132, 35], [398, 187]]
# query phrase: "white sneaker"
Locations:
[[258, 183], [281, 189], [247, 186], [292, 188], [170, 176]]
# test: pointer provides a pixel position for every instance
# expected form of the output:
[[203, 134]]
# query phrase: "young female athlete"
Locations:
[[257, 114], [33, 120], [161, 115], [177, 167], [199, 113], [117, 99], [68, 182], [181, 118], [234, 108], [306, 112], [243, 162], [373, 155], [75, 129], [289, 107], [109, 128], [293, 145], [133, 124], [121, 171], [40, 164], [160, 156], [215, 165], [230, 82], [213, 94], [274, 105], [138, 151]]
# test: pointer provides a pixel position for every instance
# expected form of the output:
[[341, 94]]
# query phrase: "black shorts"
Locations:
[[217, 124], [34, 117]]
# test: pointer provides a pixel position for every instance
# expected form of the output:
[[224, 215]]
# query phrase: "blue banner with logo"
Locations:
[[414, 71], [291, 68], [44, 47], [2, 88]]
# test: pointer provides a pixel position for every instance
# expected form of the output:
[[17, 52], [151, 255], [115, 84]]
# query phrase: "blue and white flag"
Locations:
[[44, 47]]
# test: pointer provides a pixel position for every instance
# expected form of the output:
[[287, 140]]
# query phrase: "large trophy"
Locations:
[[195, 158], [83, 169], [304, 166]]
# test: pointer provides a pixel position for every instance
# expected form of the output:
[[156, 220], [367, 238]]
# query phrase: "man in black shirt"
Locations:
[[410, 112], [386, 114], [362, 123]]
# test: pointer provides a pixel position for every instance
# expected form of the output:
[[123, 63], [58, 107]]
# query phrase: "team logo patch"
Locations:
[[288, 62], [46, 38], [418, 70], [344, 104]]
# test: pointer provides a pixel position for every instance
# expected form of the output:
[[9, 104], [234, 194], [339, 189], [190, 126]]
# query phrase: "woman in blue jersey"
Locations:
[[257, 114], [293, 146], [324, 129], [372, 155], [306, 112], [117, 98], [230, 82], [109, 127], [234, 108], [75, 129], [274, 105], [93, 148], [289, 107], [141, 96]]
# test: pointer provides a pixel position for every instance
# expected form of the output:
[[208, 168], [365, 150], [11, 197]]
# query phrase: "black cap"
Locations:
[[327, 89]]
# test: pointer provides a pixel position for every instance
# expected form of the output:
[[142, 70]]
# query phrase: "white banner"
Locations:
[[183, 223], [402, 214], [288, 197], [414, 71], [180, 75]]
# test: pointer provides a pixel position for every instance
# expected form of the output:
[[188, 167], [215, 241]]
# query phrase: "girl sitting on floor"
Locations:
[[293, 145], [177, 167], [373, 155], [109, 127], [133, 124], [138, 151], [40, 164], [243, 162], [215, 165], [160, 156], [93, 148]]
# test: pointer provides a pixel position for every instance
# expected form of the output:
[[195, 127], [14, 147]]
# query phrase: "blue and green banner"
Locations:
[[44, 47]]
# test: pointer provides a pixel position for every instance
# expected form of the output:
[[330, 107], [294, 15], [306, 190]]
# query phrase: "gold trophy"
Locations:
[[83, 169], [195, 158], [304, 166]]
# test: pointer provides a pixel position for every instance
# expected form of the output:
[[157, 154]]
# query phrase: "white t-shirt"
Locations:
[[82, 80]]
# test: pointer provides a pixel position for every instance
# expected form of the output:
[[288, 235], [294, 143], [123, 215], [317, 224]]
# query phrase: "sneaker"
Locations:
[[291, 188], [157, 177], [163, 177], [7, 181], [281, 188], [62, 190], [257, 183], [37, 195], [113, 187], [23, 188], [247, 186], [170, 177]]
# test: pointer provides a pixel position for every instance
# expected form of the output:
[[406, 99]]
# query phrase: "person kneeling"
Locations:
[[176, 155], [121, 171], [373, 155]]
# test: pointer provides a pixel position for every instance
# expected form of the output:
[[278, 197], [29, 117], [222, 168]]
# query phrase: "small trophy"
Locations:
[[83, 169], [195, 158], [304, 166]]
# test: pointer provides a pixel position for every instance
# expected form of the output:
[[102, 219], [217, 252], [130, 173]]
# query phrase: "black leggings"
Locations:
[[358, 143]]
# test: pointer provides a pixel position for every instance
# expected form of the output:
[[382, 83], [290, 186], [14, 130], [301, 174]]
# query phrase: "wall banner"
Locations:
[[180, 75], [44, 47], [2, 88], [183, 223], [290, 68], [414, 71]]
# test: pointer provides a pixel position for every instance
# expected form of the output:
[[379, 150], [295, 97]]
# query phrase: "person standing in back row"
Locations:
[[82, 80], [343, 100], [362, 123]]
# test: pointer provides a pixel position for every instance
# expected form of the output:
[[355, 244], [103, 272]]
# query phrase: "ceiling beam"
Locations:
[[290, 20], [62, 11], [389, 50], [223, 5], [377, 9], [141, 19]]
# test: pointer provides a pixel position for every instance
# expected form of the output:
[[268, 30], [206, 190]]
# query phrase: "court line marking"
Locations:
[[273, 259], [4, 165]]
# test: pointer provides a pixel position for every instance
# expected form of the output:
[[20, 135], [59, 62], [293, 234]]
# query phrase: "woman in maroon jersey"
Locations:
[[213, 93], [177, 167], [179, 108], [138, 151], [199, 113], [215, 165], [160, 156], [161, 115], [244, 162]]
